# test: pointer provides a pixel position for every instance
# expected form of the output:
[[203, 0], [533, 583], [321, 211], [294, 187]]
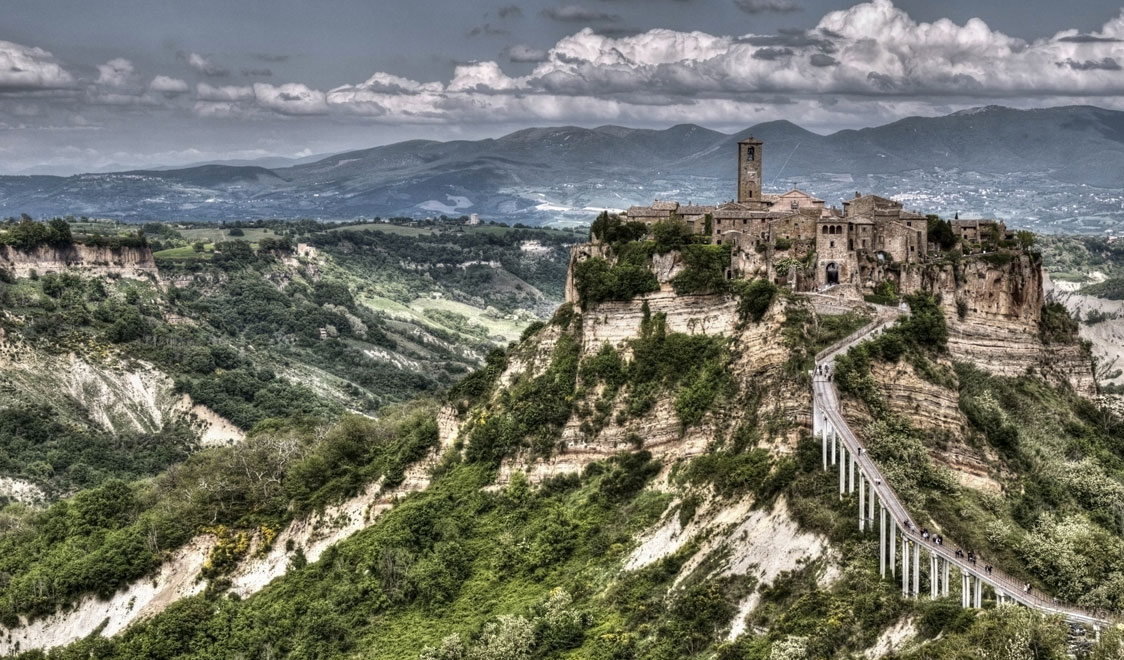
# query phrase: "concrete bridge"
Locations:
[[879, 508]]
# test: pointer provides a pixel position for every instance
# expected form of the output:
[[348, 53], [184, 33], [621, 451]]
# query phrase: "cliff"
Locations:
[[994, 312], [132, 262]]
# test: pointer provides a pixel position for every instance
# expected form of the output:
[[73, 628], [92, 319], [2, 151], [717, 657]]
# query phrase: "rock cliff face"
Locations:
[[758, 357], [131, 262], [993, 312]]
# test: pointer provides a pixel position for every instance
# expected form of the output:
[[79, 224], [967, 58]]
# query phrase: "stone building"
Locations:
[[870, 233]]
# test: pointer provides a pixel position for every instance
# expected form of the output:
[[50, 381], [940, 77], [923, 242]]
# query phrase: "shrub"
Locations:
[[754, 298], [704, 271], [671, 234], [1057, 326]]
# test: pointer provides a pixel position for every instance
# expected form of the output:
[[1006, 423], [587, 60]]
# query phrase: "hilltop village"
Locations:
[[794, 239]]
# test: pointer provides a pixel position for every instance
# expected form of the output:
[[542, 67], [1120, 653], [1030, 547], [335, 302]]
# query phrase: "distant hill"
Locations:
[[1035, 167]]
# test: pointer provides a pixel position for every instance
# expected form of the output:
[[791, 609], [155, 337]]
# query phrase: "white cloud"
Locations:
[[117, 73], [27, 68], [225, 93], [168, 86], [291, 99], [204, 65]]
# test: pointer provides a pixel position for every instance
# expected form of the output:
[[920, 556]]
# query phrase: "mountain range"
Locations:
[[1049, 169]]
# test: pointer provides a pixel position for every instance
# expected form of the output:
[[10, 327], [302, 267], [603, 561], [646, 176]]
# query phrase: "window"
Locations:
[[832, 244], [751, 154]]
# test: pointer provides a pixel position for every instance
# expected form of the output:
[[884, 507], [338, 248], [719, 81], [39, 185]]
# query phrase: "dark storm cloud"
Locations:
[[578, 14], [821, 60], [510, 11], [1107, 64], [767, 6]]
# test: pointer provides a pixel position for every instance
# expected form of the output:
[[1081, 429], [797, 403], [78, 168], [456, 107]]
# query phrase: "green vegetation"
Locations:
[[885, 293], [1111, 289], [704, 271], [1057, 326], [754, 298], [103, 538], [940, 233], [596, 281]]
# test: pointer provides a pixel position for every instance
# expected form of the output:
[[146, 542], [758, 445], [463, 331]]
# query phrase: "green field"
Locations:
[[401, 230], [216, 234], [185, 253]]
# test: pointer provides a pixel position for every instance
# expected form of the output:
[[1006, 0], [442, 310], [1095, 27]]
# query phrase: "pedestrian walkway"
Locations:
[[841, 447]]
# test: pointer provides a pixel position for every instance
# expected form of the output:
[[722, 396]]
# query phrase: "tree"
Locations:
[[940, 232], [1025, 239], [59, 232]]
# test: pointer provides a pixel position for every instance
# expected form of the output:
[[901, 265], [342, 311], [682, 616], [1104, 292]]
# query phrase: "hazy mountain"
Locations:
[[1049, 168]]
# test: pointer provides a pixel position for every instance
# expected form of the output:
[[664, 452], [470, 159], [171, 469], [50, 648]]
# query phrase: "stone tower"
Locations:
[[749, 170]]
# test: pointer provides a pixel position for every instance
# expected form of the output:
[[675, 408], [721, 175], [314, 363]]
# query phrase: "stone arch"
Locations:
[[831, 273]]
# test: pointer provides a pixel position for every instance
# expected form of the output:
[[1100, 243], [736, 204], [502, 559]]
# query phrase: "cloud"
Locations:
[[204, 65], [524, 53], [1107, 64], [486, 28], [290, 99], [24, 68], [578, 14], [224, 93], [117, 73], [766, 6], [263, 72], [772, 53], [168, 86], [271, 57], [821, 60], [510, 11]]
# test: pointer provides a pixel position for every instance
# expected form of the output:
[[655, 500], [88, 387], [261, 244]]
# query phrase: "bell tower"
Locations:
[[749, 170]]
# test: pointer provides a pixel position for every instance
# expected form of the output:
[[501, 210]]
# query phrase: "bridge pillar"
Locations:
[[963, 589], [872, 496], [979, 592], [862, 504], [916, 570], [905, 566], [842, 474], [934, 578], [944, 580], [822, 433], [831, 438], [893, 547], [851, 472], [882, 541]]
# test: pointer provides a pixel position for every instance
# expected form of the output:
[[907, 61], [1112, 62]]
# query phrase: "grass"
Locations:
[[185, 253]]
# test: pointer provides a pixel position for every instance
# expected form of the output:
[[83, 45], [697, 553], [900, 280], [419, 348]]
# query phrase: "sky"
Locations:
[[118, 84]]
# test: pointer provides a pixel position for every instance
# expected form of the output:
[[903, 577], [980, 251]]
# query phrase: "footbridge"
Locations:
[[900, 541]]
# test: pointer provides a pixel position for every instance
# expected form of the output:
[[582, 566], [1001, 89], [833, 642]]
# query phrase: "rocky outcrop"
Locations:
[[132, 262], [935, 409], [994, 310], [115, 394], [758, 357]]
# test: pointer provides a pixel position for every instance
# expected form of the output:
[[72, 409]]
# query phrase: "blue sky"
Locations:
[[88, 86]]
